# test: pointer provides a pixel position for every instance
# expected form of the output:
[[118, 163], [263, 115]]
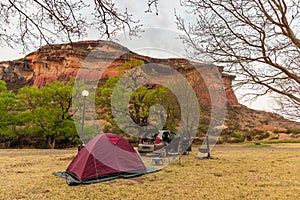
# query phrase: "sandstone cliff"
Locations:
[[62, 62]]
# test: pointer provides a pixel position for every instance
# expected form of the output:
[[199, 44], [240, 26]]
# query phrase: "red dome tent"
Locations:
[[105, 157]]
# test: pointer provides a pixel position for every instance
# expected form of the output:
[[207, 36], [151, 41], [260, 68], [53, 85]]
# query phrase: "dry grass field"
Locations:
[[235, 172]]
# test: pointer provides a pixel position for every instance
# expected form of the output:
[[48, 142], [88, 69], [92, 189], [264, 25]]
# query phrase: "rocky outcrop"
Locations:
[[62, 62]]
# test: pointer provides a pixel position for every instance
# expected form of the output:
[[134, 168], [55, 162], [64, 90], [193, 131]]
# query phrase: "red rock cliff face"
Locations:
[[62, 62]]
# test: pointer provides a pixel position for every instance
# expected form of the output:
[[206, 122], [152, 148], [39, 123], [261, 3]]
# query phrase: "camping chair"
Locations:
[[205, 150], [174, 148]]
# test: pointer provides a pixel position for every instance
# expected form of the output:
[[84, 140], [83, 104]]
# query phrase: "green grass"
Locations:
[[233, 173], [296, 140]]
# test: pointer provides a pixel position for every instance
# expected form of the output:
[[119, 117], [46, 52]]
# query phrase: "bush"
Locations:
[[276, 131], [237, 137], [263, 135], [236, 140], [258, 134], [274, 137], [292, 131], [255, 132], [220, 140]]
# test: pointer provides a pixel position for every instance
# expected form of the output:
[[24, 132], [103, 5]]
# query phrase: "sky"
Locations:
[[164, 20], [160, 38]]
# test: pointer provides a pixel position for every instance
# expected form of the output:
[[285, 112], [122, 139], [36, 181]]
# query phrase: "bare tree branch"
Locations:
[[258, 41], [150, 4], [47, 21]]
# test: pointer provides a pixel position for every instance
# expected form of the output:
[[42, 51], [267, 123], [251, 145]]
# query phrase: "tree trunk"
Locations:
[[51, 142]]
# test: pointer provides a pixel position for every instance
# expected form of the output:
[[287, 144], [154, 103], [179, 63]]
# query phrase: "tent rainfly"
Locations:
[[105, 157]]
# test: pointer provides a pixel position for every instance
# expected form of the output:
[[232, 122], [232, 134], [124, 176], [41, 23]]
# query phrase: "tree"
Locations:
[[47, 112], [258, 41], [7, 117], [170, 117], [103, 103], [140, 101]]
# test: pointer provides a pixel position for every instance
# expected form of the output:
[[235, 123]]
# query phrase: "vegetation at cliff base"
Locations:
[[37, 116]]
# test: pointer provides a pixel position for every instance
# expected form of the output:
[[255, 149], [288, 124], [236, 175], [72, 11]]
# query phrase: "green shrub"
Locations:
[[237, 140], [276, 131], [220, 140], [255, 132], [237, 135], [292, 131], [274, 137], [226, 138], [263, 135]]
